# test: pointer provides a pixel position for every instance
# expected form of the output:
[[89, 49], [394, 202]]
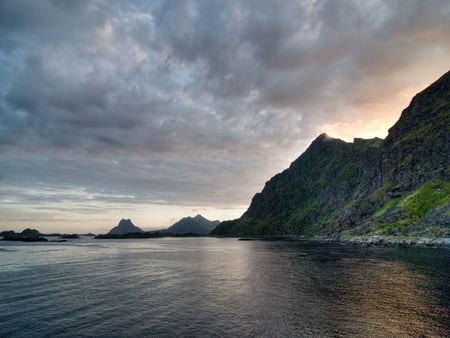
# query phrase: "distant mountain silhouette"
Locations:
[[193, 225], [27, 235], [124, 227]]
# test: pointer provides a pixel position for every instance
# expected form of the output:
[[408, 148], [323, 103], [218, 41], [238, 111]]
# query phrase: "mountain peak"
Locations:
[[325, 140], [196, 225], [125, 226], [323, 137]]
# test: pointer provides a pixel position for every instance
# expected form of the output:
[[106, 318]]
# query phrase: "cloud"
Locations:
[[197, 102]]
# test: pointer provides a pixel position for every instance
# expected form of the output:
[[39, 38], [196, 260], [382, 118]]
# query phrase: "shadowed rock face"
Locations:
[[125, 226], [193, 225], [418, 145], [392, 186]]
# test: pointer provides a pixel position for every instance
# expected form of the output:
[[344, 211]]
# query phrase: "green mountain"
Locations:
[[396, 186], [193, 225]]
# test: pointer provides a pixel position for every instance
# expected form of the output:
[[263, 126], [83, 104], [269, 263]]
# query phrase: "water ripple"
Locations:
[[209, 287]]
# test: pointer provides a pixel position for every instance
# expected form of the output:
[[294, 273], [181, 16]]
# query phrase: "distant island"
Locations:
[[27, 235], [193, 225], [394, 187], [124, 227], [186, 227]]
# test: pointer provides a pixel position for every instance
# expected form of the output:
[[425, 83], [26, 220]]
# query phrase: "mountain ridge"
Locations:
[[369, 186]]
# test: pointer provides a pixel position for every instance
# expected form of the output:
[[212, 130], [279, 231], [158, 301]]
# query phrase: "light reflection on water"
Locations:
[[221, 287], [380, 296]]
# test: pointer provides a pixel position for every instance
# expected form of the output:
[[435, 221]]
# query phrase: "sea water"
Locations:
[[210, 287]]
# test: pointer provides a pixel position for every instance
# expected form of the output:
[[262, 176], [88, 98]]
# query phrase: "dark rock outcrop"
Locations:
[[27, 235], [392, 186], [70, 236]]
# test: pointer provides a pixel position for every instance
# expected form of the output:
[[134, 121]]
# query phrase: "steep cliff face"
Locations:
[[368, 186], [417, 147], [410, 185]]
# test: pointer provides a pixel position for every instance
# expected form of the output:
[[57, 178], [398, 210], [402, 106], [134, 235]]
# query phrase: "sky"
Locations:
[[158, 110]]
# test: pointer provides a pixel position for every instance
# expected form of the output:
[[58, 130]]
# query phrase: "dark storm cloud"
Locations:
[[28, 22], [296, 54], [195, 101]]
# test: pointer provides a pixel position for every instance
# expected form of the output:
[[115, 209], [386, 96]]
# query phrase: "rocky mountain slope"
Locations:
[[396, 186], [193, 225]]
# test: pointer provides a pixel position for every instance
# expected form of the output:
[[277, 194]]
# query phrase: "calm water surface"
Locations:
[[207, 287]]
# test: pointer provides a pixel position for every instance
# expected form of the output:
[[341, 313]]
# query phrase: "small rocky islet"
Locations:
[[27, 235]]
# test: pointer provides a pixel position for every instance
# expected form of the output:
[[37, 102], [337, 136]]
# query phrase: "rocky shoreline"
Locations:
[[377, 240], [387, 241]]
